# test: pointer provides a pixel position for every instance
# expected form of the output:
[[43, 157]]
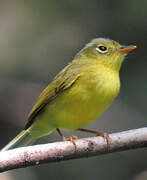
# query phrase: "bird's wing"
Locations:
[[65, 79]]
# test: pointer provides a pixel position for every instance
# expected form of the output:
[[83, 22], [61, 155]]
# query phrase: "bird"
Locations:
[[78, 95]]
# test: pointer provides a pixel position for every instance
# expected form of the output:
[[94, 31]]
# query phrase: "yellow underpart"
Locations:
[[80, 104]]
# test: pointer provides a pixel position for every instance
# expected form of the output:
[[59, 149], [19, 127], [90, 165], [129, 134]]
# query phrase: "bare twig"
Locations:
[[59, 151]]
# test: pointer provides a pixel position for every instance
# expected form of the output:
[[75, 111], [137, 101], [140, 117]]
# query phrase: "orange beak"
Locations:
[[126, 49]]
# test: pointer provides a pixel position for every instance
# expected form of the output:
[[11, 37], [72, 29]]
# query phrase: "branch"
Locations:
[[59, 151]]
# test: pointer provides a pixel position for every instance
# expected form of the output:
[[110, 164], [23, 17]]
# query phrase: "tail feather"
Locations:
[[22, 139]]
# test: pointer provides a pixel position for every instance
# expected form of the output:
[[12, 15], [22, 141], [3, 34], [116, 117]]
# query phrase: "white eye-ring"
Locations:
[[102, 49]]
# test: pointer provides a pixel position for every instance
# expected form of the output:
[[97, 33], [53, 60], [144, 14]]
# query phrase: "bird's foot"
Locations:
[[105, 136], [72, 139]]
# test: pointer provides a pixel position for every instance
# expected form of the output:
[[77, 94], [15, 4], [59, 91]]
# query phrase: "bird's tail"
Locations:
[[22, 139]]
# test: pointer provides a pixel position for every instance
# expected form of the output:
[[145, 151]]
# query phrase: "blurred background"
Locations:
[[39, 38]]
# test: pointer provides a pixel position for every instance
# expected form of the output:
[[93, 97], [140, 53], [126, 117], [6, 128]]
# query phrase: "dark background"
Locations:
[[37, 39]]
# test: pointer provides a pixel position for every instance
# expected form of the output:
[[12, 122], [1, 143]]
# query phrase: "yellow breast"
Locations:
[[87, 99], [79, 105]]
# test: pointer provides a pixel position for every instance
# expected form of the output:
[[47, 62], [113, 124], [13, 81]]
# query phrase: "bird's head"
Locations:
[[106, 52]]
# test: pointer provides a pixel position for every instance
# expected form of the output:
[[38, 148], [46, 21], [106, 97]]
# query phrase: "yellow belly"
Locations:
[[79, 105]]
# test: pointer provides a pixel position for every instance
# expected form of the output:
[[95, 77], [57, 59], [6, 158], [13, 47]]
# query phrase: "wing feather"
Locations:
[[65, 79]]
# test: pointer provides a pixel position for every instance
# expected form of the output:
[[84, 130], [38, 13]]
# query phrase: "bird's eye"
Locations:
[[102, 49]]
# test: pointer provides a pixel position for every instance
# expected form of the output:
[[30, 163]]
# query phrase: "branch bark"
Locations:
[[59, 151]]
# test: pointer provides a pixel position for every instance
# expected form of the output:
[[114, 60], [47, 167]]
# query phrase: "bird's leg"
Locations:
[[72, 138], [105, 136]]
